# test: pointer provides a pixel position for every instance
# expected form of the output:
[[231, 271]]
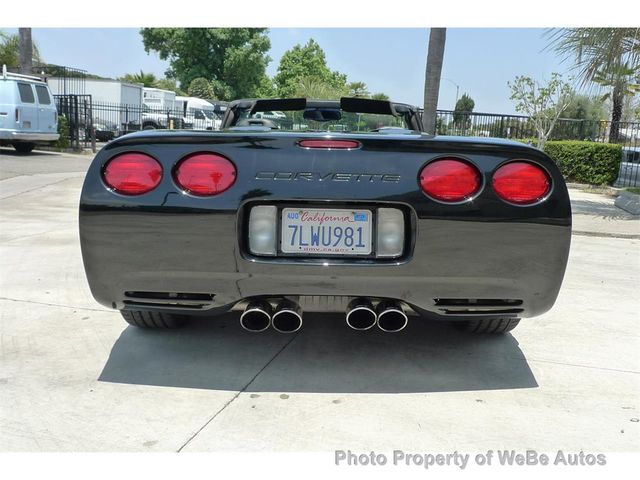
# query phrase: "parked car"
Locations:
[[629, 174], [154, 119], [28, 113], [104, 132], [381, 225], [198, 114]]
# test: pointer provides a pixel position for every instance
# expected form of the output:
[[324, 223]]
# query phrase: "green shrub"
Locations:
[[63, 130], [586, 162]]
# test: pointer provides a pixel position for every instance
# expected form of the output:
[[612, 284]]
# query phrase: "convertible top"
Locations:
[[346, 104]]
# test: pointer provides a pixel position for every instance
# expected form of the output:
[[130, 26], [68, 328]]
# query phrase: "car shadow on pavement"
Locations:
[[10, 151], [325, 356]]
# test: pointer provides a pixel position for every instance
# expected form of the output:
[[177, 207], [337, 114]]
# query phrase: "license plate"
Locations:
[[320, 231]]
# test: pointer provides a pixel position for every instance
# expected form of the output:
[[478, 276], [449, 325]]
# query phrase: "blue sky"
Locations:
[[480, 61]]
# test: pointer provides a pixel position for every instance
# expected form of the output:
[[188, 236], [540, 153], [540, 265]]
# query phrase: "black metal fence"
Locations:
[[72, 80], [520, 127], [93, 122]]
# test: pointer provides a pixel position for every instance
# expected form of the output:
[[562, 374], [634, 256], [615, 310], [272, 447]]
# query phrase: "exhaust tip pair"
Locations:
[[388, 315], [258, 316]]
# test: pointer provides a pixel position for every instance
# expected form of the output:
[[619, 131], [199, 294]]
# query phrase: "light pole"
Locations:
[[457, 89]]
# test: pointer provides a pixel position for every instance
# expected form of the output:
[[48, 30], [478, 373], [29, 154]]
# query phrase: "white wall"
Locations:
[[130, 94], [111, 91]]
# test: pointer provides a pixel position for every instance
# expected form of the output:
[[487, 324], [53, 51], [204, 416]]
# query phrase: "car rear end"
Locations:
[[449, 228]]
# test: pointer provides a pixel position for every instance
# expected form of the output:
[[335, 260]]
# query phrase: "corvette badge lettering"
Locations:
[[328, 177]]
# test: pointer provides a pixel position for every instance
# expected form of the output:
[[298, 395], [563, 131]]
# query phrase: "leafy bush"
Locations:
[[63, 130], [586, 162]]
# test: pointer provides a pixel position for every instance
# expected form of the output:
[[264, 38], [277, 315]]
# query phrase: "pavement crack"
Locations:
[[35, 188], [583, 366], [242, 390], [55, 305]]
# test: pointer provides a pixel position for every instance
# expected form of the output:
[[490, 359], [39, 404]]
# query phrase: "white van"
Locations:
[[199, 114], [28, 113]]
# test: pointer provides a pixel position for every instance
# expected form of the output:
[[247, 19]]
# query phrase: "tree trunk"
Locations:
[[435, 56], [26, 51], [618, 99]]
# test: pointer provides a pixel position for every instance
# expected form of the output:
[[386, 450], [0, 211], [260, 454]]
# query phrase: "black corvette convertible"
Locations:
[[300, 205]]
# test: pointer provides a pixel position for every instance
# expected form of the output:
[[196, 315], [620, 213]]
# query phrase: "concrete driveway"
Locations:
[[74, 377]]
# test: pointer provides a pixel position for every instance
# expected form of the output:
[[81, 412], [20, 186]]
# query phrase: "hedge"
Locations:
[[63, 130], [586, 162]]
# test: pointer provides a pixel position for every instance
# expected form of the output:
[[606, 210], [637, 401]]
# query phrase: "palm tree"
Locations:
[[10, 51], [315, 88], [380, 96], [435, 57], [358, 89], [26, 50], [609, 57], [147, 79]]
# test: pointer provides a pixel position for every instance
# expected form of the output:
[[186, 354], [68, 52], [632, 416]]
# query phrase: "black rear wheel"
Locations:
[[24, 147], [148, 319], [489, 325]]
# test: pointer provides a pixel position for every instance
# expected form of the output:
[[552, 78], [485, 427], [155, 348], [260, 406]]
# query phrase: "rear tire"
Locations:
[[493, 326], [148, 319], [24, 147]]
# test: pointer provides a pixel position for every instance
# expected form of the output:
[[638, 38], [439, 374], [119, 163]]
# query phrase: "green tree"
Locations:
[[584, 107], [170, 84], [200, 87], [543, 103], [266, 89], [380, 96], [149, 80], [314, 88], [357, 89], [609, 57], [435, 57], [232, 59], [304, 62], [10, 51], [464, 106]]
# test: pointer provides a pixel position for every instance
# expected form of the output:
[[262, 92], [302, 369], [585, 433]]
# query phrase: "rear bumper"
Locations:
[[13, 135], [510, 267]]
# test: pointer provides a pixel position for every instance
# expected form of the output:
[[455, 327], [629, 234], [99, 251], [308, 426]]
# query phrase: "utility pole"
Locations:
[[457, 90], [26, 51]]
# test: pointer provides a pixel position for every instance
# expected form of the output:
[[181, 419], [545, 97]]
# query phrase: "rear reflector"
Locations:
[[330, 144], [132, 173], [205, 174], [450, 180], [263, 222], [522, 183]]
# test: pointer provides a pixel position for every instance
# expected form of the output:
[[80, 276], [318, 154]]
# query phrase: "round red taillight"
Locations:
[[132, 173], [450, 180], [522, 183], [205, 174]]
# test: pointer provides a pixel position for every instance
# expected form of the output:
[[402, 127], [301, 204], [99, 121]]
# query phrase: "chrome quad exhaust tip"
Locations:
[[391, 317], [287, 317], [256, 316], [360, 314]]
